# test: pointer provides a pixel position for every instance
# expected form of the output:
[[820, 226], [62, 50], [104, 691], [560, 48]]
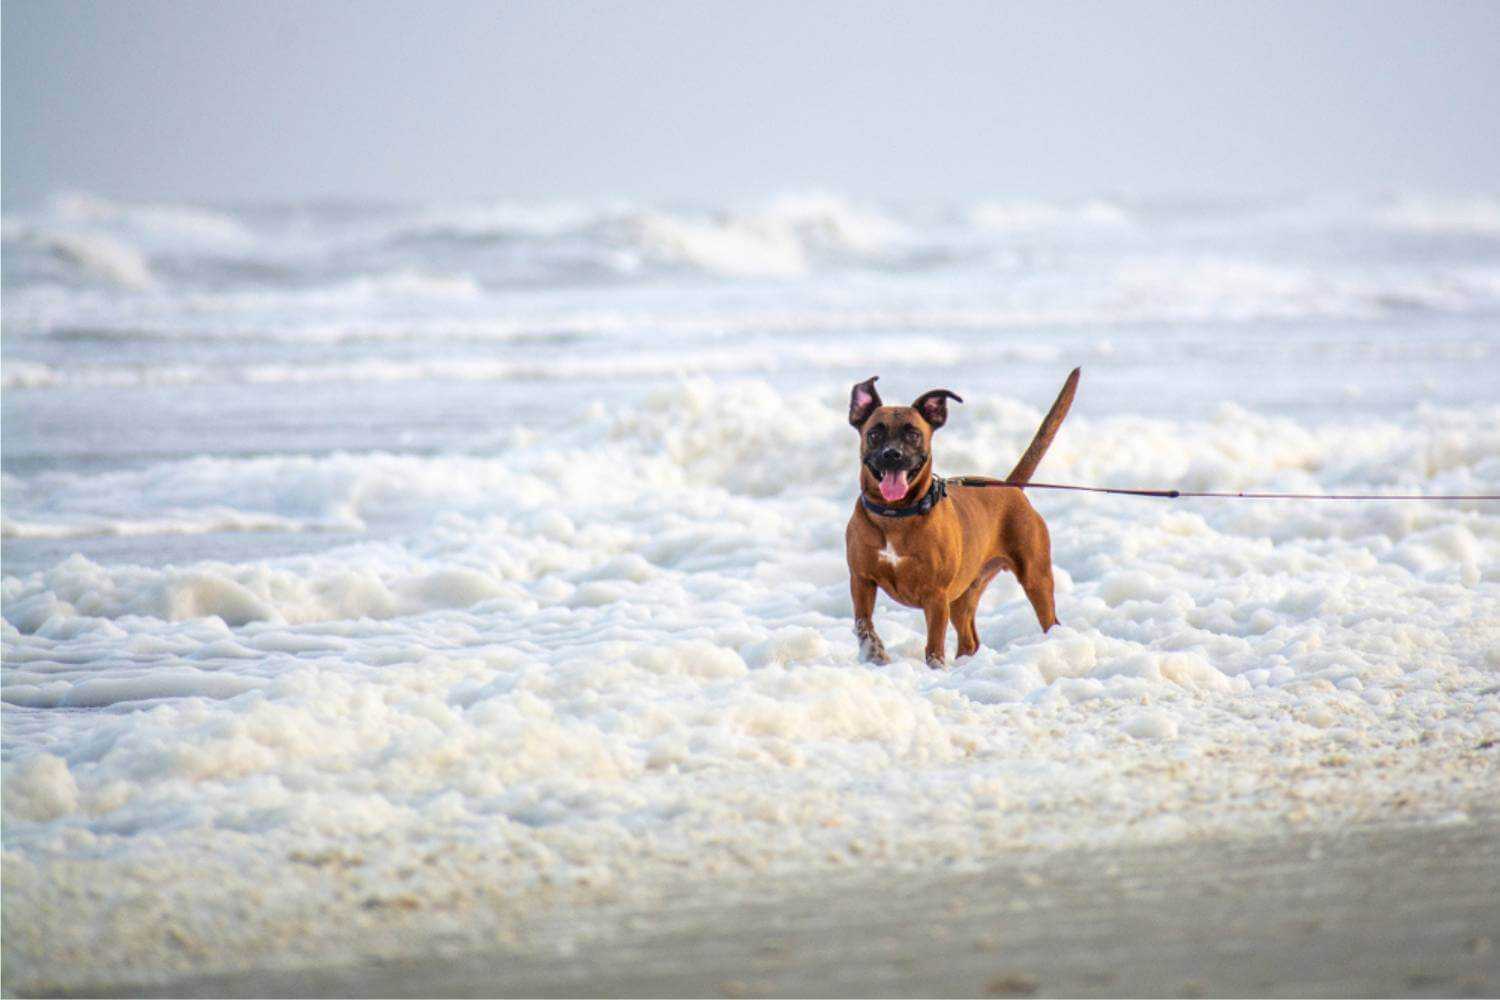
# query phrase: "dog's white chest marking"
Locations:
[[889, 554]]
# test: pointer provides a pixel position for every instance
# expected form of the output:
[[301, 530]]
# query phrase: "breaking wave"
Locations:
[[146, 247], [88, 256], [167, 226]]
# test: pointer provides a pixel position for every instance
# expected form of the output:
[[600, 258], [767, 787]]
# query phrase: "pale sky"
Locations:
[[274, 101]]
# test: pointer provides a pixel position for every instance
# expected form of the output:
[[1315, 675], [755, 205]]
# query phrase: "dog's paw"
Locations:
[[937, 663], [872, 650]]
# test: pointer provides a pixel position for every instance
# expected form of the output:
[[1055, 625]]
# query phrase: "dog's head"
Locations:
[[895, 442]]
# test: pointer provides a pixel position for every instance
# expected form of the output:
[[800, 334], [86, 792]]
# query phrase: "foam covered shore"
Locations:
[[617, 654], [1271, 917]]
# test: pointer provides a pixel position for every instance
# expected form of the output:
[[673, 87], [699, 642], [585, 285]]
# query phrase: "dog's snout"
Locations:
[[891, 456]]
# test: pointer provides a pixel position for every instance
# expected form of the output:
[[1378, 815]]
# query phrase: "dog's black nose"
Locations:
[[891, 456]]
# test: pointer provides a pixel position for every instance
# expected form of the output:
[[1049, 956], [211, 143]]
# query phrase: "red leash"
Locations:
[[1176, 494]]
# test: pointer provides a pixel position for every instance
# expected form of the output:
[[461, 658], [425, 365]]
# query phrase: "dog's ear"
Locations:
[[863, 401], [934, 406]]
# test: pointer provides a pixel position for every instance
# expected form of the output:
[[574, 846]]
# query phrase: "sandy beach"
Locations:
[[1411, 911]]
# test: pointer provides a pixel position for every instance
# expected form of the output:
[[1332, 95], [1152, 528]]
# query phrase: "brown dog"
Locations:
[[935, 544]]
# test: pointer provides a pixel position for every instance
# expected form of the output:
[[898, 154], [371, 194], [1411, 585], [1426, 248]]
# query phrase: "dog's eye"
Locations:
[[910, 434], [876, 436]]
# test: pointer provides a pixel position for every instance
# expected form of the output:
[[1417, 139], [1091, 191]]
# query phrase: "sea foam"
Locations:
[[376, 582]]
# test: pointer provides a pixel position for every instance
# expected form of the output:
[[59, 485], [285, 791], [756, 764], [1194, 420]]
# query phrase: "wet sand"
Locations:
[[1388, 912]]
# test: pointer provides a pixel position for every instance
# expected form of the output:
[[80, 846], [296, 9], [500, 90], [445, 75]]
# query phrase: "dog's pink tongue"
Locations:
[[893, 485]]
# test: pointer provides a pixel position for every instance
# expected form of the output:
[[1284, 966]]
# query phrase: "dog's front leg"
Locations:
[[936, 611], [871, 649]]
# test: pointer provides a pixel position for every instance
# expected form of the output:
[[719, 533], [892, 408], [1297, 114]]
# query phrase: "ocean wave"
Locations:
[[1224, 288], [88, 255], [349, 254], [115, 242], [1041, 216], [784, 238], [178, 227], [780, 238], [747, 358], [497, 222], [1139, 288]]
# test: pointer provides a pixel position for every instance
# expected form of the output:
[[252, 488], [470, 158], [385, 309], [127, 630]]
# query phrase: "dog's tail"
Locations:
[[1045, 433]]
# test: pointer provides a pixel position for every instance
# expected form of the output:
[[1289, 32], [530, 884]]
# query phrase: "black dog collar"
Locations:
[[935, 492]]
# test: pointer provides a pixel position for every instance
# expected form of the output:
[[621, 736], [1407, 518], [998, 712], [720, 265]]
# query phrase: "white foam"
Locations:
[[613, 652], [1151, 726], [40, 789], [201, 522]]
